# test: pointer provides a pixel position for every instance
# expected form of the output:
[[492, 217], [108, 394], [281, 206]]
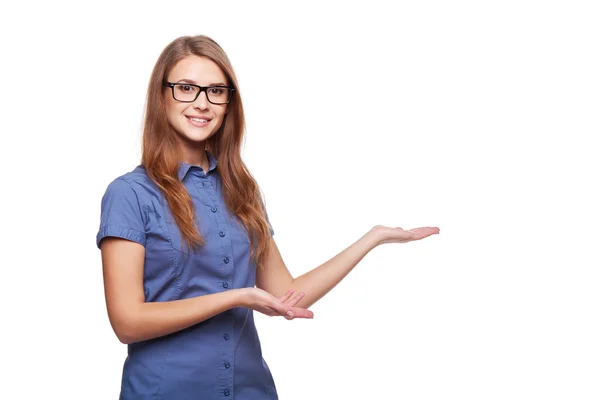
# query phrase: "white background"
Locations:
[[478, 117]]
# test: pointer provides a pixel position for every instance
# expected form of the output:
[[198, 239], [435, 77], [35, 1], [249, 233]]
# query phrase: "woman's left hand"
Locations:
[[386, 234]]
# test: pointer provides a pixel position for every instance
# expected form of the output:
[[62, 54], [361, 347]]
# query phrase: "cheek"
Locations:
[[171, 117], [221, 117], [174, 112], [169, 109]]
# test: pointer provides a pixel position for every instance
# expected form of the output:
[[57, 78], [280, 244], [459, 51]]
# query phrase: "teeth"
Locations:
[[199, 119]]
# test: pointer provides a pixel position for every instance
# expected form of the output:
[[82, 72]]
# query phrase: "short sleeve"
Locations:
[[262, 203], [269, 222], [121, 214]]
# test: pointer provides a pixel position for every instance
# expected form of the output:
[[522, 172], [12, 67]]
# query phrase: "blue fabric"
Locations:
[[219, 358]]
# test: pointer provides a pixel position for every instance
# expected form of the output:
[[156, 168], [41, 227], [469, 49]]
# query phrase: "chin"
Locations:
[[197, 136]]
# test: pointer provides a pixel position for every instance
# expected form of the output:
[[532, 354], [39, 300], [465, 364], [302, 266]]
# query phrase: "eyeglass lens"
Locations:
[[189, 93]]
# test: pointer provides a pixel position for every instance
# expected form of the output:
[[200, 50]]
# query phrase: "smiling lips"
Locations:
[[198, 121], [198, 117]]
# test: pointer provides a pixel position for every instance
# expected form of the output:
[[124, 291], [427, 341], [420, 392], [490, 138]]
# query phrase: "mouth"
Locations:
[[198, 122]]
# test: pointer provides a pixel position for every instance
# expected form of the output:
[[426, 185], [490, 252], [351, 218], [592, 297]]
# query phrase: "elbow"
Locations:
[[126, 322], [125, 338], [126, 331]]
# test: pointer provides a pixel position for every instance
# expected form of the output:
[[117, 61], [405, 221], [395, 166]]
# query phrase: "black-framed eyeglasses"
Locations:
[[188, 93]]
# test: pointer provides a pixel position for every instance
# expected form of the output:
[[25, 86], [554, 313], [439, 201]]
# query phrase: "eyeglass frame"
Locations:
[[202, 89]]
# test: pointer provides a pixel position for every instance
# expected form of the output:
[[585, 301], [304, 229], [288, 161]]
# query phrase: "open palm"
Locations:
[[264, 302], [398, 235]]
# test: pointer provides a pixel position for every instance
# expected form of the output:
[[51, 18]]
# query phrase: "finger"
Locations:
[[294, 300], [303, 313], [286, 296], [284, 310], [428, 229], [423, 232], [289, 315]]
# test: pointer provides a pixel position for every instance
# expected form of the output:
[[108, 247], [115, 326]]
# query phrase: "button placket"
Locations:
[[209, 189], [216, 212], [225, 282]]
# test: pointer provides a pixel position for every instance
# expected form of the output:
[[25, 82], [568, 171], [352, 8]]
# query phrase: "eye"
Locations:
[[217, 91]]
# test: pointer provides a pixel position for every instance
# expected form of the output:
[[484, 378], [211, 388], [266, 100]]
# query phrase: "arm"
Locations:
[[131, 318], [134, 320], [275, 278]]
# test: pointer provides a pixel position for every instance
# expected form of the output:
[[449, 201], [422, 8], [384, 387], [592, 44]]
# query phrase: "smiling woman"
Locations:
[[181, 237], [187, 247], [188, 108]]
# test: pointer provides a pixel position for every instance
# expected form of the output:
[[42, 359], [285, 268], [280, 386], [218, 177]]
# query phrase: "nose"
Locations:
[[202, 101]]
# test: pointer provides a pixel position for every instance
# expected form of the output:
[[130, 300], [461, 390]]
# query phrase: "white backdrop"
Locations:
[[476, 117]]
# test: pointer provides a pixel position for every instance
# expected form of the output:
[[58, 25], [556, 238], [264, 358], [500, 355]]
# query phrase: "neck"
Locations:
[[195, 157]]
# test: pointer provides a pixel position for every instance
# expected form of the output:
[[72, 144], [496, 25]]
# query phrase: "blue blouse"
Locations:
[[221, 357]]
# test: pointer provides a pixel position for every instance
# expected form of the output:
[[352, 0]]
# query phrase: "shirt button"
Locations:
[[225, 285], [227, 365], [226, 336], [226, 392], [214, 209], [226, 260], [222, 234]]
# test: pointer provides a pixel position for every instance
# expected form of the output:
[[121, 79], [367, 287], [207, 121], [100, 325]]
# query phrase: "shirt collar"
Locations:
[[184, 168]]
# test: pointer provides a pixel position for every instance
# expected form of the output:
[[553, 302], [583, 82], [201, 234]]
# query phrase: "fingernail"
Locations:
[[291, 314]]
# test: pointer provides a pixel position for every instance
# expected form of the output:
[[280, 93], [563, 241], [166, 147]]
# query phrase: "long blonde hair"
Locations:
[[161, 157]]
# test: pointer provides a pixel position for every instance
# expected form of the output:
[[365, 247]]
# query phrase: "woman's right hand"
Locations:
[[264, 302]]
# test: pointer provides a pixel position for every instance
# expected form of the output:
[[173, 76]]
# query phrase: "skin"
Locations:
[[203, 72], [277, 293]]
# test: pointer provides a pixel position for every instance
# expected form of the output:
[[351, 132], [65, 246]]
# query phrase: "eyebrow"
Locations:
[[194, 82]]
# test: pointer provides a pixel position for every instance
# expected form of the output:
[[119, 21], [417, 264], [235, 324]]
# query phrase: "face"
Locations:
[[204, 72]]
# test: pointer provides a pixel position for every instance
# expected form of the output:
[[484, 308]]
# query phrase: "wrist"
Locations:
[[373, 236], [241, 297]]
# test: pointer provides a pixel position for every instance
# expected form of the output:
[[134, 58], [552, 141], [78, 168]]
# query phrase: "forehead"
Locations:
[[199, 69]]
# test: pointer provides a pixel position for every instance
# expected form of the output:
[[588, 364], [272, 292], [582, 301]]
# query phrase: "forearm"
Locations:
[[319, 281], [154, 319]]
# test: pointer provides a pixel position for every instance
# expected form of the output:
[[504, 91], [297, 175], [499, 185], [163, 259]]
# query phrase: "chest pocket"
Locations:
[[173, 233], [239, 231], [199, 190]]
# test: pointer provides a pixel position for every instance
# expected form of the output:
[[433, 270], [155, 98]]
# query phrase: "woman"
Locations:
[[187, 247]]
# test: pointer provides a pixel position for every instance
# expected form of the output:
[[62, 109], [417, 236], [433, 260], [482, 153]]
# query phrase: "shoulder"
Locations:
[[137, 176], [133, 191], [136, 181]]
